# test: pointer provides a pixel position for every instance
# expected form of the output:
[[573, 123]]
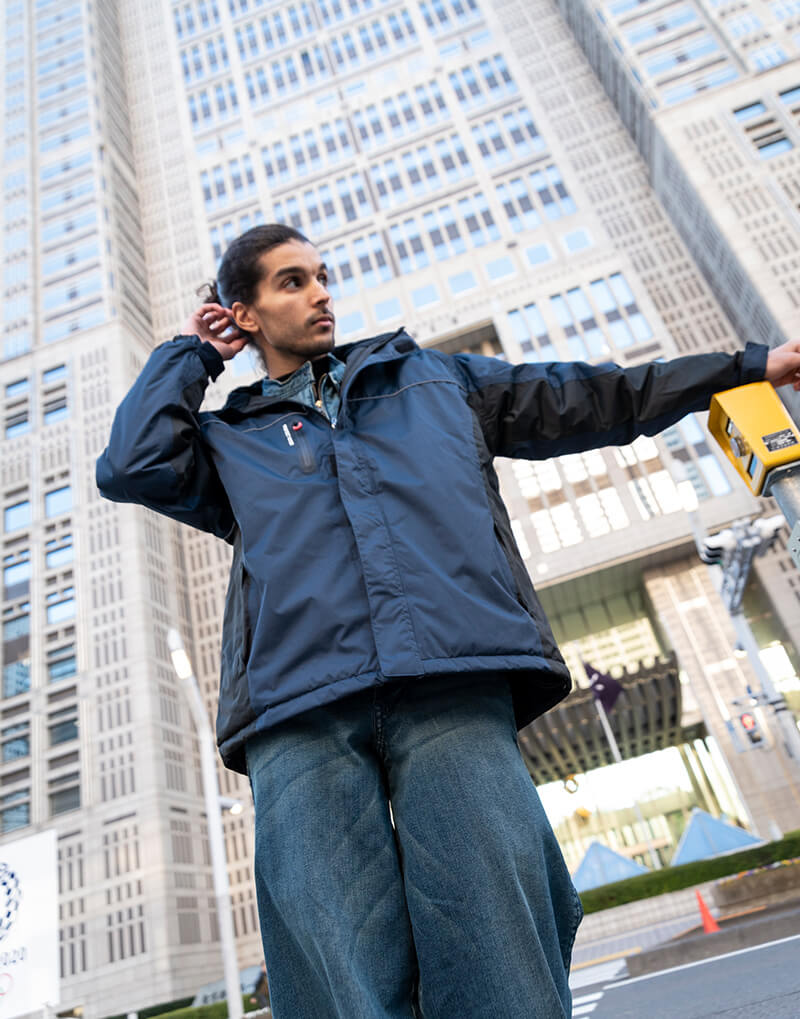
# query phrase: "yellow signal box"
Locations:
[[755, 432]]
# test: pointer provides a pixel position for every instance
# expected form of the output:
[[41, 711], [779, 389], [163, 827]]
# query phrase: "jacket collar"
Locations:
[[385, 347]]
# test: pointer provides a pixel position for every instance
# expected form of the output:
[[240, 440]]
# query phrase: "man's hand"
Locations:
[[783, 365], [214, 324]]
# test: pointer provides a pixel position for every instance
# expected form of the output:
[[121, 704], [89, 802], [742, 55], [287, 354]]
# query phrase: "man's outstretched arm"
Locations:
[[536, 411]]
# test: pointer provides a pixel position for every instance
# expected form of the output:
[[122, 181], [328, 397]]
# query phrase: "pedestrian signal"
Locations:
[[750, 726]]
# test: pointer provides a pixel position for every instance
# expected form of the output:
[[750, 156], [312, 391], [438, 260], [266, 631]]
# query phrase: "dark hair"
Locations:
[[239, 273]]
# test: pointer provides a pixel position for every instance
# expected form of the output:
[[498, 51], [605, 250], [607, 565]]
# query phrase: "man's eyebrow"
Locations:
[[296, 270]]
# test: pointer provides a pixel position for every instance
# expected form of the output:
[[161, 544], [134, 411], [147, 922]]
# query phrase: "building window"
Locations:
[[15, 810], [65, 793], [58, 501], [16, 742], [18, 625], [17, 423], [55, 409], [17, 515], [16, 574], [16, 678], [18, 388], [61, 663], [59, 551], [61, 605], [62, 725]]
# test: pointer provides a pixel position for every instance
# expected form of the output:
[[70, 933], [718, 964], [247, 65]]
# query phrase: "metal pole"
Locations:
[[773, 697], [618, 758], [785, 490], [216, 839]]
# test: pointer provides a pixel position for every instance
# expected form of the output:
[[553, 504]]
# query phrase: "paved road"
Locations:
[[753, 983]]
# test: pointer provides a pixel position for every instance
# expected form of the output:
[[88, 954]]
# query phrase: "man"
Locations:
[[382, 641]]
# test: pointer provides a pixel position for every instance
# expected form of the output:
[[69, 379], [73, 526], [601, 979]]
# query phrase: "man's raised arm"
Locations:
[[156, 456]]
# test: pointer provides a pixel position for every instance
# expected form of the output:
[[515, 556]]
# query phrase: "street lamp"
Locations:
[[214, 807]]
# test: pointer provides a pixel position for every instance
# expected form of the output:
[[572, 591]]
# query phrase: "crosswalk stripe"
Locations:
[[585, 1004]]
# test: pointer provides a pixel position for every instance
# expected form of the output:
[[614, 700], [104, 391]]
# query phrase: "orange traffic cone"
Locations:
[[710, 925]]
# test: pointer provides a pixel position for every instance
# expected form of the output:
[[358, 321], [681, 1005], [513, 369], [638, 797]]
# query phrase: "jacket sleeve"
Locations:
[[535, 411], [156, 455]]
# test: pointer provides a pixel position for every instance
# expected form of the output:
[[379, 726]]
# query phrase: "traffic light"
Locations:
[[751, 727], [718, 548]]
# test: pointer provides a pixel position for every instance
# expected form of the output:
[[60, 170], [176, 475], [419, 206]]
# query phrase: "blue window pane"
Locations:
[[602, 296], [388, 309], [17, 573], [620, 333], [63, 732], [64, 553], [538, 254], [753, 110], [58, 501], [61, 669], [424, 296], [16, 678], [17, 388], [54, 374], [776, 148], [15, 748], [462, 281], [561, 311], [18, 428], [18, 515], [500, 268], [578, 240], [58, 611], [20, 626], [15, 817], [640, 327], [351, 323], [578, 304], [56, 414], [622, 291]]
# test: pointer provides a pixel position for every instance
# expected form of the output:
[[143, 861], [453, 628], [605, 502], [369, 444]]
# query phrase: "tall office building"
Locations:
[[465, 174]]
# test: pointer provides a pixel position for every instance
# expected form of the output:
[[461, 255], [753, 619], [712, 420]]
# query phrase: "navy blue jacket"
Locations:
[[381, 548]]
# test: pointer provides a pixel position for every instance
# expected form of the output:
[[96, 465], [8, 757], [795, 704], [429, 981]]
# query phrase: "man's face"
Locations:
[[290, 318]]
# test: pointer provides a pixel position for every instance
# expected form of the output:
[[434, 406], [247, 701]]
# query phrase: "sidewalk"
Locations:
[[756, 926]]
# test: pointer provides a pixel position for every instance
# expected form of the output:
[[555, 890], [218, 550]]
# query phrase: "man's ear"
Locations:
[[243, 318]]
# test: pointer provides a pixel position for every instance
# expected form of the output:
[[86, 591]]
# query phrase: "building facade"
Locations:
[[492, 176]]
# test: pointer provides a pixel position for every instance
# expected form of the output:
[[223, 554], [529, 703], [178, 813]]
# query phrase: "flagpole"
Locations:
[[612, 742]]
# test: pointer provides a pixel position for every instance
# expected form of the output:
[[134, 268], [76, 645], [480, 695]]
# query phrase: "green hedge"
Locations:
[[153, 1010], [672, 879], [218, 1010]]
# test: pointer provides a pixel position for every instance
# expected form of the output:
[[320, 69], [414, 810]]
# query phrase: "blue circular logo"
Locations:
[[9, 899]]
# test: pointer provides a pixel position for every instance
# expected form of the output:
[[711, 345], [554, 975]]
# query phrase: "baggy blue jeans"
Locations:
[[463, 909]]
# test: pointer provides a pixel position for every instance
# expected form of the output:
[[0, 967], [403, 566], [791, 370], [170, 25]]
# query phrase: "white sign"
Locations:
[[28, 925]]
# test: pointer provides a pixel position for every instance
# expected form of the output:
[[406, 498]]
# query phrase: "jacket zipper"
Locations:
[[297, 437]]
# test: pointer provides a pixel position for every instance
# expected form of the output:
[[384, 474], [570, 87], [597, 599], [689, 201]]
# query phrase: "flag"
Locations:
[[605, 689]]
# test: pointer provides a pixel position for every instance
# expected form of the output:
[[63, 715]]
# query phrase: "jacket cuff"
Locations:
[[753, 363], [210, 356]]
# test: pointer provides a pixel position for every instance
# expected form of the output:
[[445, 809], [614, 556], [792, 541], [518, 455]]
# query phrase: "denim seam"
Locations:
[[378, 729]]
